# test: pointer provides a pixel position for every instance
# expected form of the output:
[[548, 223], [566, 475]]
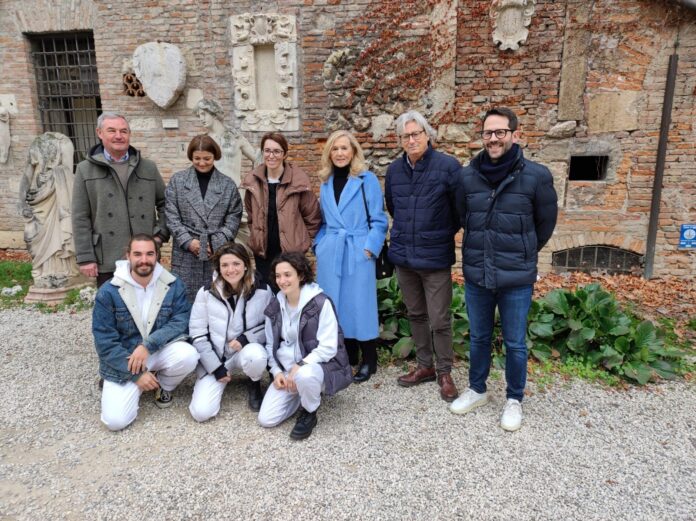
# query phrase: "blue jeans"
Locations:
[[513, 305]]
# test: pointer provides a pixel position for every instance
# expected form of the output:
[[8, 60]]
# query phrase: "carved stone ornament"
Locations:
[[510, 21], [161, 69], [260, 110]]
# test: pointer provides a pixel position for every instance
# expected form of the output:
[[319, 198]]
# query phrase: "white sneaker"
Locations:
[[468, 401], [511, 419]]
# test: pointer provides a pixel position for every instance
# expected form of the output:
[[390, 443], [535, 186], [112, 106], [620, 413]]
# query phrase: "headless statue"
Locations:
[[45, 197]]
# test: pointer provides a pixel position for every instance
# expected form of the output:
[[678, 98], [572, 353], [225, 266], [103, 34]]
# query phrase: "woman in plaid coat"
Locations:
[[203, 209]]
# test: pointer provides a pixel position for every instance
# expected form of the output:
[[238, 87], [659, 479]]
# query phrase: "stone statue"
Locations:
[[4, 134], [45, 197], [233, 145]]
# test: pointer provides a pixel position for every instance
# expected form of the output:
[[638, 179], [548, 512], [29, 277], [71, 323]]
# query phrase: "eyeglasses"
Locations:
[[500, 133], [415, 135], [277, 152]]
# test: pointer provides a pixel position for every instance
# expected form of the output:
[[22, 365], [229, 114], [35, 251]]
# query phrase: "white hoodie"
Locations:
[[289, 349], [144, 295]]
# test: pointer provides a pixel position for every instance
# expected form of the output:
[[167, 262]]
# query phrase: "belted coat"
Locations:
[[343, 270]]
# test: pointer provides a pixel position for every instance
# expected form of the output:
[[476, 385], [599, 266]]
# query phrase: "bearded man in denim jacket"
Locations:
[[140, 321]]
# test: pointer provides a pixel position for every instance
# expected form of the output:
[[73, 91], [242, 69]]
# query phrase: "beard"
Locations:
[[143, 269]]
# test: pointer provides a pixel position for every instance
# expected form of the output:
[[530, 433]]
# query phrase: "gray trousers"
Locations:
[[428, 296]]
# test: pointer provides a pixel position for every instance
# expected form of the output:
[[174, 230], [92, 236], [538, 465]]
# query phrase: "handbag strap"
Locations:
[[369, 220]]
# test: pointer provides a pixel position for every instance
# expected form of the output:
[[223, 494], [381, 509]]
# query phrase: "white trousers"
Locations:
[[278, 404], [207, 393], [173, 363]]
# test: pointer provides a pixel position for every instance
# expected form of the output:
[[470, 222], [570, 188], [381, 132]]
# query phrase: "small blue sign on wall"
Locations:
[[687, 237]]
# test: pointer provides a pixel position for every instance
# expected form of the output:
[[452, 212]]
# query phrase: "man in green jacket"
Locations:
[[116, 194]]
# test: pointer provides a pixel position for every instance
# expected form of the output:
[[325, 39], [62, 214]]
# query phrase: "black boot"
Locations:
[[255, 396], [363, 374], [304, 425], [369, 362]]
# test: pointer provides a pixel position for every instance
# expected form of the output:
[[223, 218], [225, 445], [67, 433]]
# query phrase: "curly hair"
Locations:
[[299, 262]]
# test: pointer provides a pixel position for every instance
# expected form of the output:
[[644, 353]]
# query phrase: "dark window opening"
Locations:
[[68, 86], [588, 168], [605, 259]]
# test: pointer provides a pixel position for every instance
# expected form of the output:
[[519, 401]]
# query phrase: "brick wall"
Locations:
[[394, 61]]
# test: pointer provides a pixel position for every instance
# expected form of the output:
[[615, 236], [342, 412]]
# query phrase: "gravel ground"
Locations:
[[378, 452]]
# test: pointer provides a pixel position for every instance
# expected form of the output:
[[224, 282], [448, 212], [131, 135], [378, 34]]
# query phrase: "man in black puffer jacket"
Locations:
[[508, 208], [420, 190]]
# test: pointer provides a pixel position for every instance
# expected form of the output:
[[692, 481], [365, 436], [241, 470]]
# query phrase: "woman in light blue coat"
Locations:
[[351, 236]]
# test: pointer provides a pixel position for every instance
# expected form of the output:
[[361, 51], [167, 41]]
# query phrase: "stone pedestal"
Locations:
[[54, 296]]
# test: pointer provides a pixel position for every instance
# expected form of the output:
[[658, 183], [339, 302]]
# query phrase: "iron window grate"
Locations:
[[606, 259], [68, 86]]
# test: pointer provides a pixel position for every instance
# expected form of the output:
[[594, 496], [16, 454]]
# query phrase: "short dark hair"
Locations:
[[506, 113], [300, 264], [243, 253], [204, 143], [145, 237], [278, 138]]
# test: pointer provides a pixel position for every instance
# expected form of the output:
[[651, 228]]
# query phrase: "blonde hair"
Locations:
[[357, 163]]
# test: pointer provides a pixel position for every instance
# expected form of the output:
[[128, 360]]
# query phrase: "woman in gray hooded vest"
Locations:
[[304, 342]]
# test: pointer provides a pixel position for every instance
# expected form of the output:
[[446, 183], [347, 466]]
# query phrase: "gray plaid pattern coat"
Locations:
[[213, 220]]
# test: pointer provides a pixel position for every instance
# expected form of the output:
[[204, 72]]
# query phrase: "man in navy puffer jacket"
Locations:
[[508, 208], [420, 191]]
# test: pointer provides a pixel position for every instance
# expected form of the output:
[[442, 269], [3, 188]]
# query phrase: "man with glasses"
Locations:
[[508, 208], [420, 193]]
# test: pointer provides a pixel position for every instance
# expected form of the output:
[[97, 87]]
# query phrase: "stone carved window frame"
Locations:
[[248, 31], [597, 147]]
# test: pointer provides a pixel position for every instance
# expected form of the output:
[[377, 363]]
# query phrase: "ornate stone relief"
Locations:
[[510, 21], [161, 69], [248, 33]]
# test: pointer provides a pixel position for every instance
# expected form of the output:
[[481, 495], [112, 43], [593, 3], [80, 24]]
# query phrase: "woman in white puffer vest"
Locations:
[[227, 329]]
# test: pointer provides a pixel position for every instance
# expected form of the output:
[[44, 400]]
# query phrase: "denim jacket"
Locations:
[[118, 330]]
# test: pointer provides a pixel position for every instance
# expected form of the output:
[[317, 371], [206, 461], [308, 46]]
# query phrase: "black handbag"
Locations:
[[383, 266]]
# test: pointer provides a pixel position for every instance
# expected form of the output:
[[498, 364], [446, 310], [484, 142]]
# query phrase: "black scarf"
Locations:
[[496, 172]]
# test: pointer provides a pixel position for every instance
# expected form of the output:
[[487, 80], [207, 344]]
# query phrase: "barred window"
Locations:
[[68, 86], [606, 259]]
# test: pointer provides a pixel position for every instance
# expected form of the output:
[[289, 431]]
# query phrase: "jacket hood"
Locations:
[[216, 285], [307, 293], [96, 155], [123, 274]]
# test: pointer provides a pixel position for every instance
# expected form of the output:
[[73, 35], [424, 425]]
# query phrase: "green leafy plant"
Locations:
[[589, 324], [396, 329], [584, 333]]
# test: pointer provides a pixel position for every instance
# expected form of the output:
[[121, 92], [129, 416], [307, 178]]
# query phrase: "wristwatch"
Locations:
[[301, 363]]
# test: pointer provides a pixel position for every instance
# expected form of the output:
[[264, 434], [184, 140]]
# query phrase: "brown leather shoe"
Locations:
[[417, 376], [448, 391]]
